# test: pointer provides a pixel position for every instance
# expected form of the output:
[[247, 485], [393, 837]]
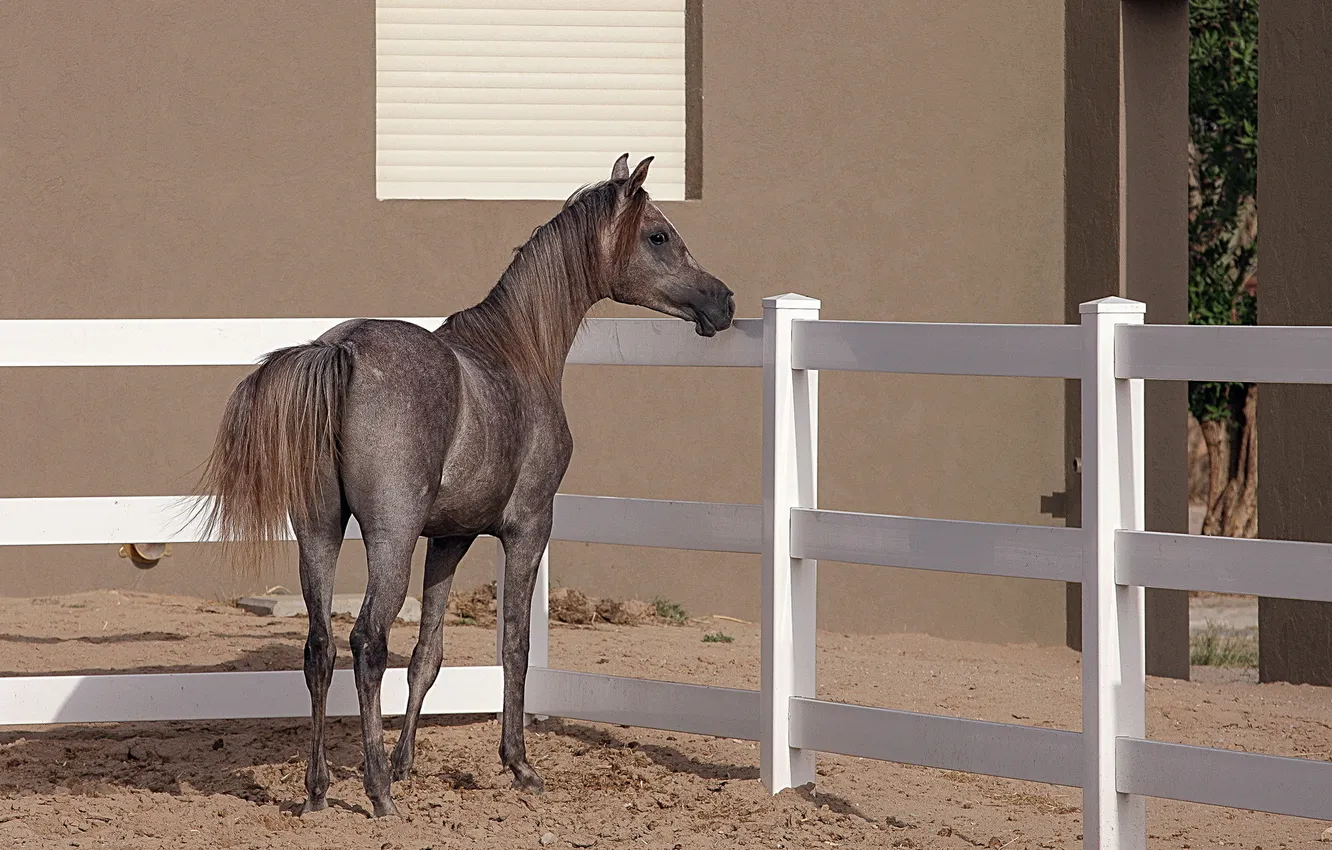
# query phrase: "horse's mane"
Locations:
[[529, 319]]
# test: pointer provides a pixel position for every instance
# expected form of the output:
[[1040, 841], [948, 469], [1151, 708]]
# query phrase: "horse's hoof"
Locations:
[[384, 808], [314, 804], [526, 779]]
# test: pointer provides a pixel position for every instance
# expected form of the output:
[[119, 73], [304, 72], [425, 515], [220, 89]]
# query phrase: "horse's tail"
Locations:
[[281, 425]]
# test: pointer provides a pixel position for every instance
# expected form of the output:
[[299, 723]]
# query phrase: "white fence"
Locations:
[[1112, 352]]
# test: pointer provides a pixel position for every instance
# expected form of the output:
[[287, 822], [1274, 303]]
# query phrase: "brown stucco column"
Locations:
[[1126, 233], [1295, 201]]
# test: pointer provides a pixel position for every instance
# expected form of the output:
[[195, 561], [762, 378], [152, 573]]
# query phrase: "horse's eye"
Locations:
[[659, 238]]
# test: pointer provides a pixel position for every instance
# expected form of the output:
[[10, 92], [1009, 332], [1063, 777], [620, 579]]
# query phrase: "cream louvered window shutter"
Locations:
[[527, 98]]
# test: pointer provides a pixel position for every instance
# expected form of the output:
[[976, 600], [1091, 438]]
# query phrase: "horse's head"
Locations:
[[653, 267]]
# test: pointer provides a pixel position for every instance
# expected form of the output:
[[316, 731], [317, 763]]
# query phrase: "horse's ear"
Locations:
[[620, 170], [636, 179]]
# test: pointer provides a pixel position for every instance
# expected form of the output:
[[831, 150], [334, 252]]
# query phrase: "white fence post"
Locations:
[[1113, 653], [790, 479], [538, 651]]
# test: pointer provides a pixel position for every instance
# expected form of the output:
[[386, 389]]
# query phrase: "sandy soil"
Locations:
[[234, 784]]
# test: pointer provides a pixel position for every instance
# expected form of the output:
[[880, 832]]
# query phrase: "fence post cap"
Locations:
[[792, 301], [1112, 304]]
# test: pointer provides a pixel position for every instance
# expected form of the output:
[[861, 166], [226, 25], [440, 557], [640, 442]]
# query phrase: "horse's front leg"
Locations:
[[523, 549]]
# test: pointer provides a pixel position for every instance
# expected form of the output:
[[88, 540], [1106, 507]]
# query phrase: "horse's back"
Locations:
[[390, 352], [385, 334]]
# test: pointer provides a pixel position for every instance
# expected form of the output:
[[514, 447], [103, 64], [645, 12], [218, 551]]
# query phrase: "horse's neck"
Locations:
[[532, 314]]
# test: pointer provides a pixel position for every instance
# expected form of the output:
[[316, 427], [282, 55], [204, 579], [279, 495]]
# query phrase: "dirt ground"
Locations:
[[234, 784]]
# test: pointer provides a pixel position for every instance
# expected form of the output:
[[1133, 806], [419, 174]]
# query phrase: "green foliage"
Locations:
[[1223, 127], [1217, 647], [717, 637], [672, 612]]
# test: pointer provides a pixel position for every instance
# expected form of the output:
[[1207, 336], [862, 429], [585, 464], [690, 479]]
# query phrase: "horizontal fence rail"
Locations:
[[977, 548], [157, 342], [1031, 351], [666, 342], [652, 704], [660, 523], [84, 520], [181, 696], [1284, 569], [1268, 354], [1214, 777], [132, 697], [930, 740], [242, 342], [702, 526]]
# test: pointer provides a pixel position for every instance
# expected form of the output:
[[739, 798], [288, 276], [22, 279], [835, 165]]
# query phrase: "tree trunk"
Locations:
[[1198, 471], [1216, 434], [1232, 497], [1242, 501]]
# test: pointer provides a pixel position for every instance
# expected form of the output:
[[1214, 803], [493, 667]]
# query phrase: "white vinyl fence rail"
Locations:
[[1111, 353]]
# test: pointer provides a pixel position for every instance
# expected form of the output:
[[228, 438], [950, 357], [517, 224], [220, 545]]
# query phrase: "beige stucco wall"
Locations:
[[899, 160]]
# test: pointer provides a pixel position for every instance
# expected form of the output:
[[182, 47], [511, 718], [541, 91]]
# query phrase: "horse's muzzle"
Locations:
[[713, 309]]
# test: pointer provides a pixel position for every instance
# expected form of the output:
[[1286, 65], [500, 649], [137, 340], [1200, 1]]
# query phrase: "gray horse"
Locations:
[[445, 435]]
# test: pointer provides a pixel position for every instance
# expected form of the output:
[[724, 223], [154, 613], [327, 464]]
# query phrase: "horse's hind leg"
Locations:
[[390, 563], [441, 563], [319, 545]]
